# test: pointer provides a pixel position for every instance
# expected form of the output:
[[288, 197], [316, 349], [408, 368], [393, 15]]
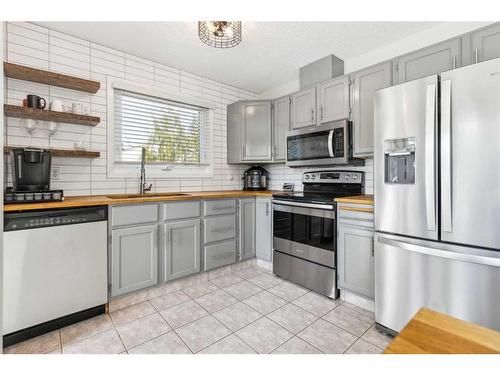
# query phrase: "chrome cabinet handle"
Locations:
[[312, 114], [321, 112], [430, 129], [476, 56], [454, 62], [267, 208]]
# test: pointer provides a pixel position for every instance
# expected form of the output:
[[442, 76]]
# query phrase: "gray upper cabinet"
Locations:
[[263, 229], [247, 228], [333, 100], [303, 110], [181, 246], [427, 61], [281, 124], [366, 82], [485, 43], [134, 259], [249, 132], [256, 131]]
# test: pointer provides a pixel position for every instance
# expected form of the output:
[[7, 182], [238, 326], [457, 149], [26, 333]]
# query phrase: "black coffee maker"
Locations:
[[31, 177], [255, 178]]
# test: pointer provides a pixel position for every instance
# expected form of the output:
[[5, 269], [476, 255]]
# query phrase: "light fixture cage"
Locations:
[[229, 33]]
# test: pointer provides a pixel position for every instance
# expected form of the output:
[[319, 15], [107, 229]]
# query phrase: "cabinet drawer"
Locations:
[[219, 255], [219, 228], [135, 214], [218, 207], [361, 213], [180, 210]]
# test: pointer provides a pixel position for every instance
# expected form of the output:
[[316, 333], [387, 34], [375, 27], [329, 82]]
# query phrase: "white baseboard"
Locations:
[[363, 302], [265, 264]]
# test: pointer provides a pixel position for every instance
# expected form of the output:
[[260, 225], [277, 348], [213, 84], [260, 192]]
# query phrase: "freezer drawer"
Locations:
[[460, 281]]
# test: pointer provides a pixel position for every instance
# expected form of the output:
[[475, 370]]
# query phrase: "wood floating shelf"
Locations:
[[40, 114], [66, 153], [26, 73]]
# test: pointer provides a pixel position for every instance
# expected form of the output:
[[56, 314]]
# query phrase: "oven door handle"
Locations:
[[307, 205], [330, 143]]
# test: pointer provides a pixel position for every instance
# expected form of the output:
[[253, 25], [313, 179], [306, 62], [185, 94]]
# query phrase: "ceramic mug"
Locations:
[[57, 105]]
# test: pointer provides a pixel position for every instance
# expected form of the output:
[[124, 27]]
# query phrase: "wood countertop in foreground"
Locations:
[[114, 199], [358, 199], [430, 332]]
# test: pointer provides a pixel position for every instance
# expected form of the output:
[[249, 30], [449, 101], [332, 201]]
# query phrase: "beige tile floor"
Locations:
[[249, 311]]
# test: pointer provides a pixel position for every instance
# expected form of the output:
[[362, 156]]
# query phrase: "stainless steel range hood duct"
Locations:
[[321, 70]]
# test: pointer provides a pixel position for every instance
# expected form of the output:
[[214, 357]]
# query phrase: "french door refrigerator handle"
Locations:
[[330, 144], [430, 161], [470, 258], [446, 203]]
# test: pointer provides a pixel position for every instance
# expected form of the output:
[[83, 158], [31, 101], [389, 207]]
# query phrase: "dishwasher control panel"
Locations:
[[49, 218]]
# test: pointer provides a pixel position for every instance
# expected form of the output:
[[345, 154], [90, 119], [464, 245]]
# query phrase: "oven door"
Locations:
[[304, 232]]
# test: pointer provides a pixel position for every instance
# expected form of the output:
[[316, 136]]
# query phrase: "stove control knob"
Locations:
[[307, 177], [313, 177], [355, 176], [347, 176]]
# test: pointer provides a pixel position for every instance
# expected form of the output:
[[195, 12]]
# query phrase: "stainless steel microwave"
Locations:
[[328, 144]]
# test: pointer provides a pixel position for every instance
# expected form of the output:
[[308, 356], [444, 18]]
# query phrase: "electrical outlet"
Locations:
[[55, 173]]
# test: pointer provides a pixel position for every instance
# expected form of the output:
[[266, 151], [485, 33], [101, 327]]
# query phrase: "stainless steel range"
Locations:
[[304, 228]]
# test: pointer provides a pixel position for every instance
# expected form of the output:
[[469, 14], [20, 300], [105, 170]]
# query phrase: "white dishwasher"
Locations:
[[55, 266]]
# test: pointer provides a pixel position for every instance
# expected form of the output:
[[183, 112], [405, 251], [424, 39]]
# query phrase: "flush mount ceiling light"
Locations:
[[220, 34]]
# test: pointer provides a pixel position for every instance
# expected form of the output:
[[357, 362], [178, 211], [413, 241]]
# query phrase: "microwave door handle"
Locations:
[[330, 144]]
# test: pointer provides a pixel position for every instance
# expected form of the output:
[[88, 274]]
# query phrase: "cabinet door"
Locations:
[[303, 111], [134, 259], [263, 229], [485, 43], [366, 82], [281, 124], [333, 100], [256, 130], [355, 260], [181, 247], [247, 228], [428, 61]]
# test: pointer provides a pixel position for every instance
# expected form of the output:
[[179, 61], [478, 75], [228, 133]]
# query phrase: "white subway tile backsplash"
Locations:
[[35, 46]]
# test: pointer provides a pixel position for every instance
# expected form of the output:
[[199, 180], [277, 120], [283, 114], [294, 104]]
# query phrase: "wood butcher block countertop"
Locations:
[[430, 332], [104, 200], [359, 199]]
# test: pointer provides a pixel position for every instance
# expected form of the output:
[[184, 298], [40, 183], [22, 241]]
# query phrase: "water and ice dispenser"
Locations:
[[399, 161]]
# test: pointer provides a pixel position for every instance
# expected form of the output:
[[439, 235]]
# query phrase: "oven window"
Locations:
[[308, 146], [308, 230]]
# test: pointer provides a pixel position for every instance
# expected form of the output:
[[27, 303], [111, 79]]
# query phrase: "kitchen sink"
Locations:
[[152, 195]]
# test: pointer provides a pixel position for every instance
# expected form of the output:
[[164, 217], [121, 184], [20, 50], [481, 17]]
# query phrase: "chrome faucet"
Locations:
[[143, 188]]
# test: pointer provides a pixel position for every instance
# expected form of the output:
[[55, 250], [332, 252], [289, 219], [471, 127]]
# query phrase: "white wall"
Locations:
[[281, 173], [35, 46]]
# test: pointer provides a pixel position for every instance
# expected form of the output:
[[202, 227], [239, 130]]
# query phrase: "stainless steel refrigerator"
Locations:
[[437, 197]]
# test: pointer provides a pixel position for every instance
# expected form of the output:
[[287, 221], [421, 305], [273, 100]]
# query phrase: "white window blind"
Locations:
[[171, 132]]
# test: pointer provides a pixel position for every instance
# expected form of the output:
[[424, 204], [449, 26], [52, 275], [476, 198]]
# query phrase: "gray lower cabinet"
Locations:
[[303, 108], [181, 247], [427, 61], [281, 124], [134, 259], [247, 228], [249, 131], [485, 43], [333, 100], [219, 254], [355, 259], [355, 251], [264, 229], [366, 83]]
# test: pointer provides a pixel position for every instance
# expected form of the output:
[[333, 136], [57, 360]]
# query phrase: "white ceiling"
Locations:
[[269, 55]]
